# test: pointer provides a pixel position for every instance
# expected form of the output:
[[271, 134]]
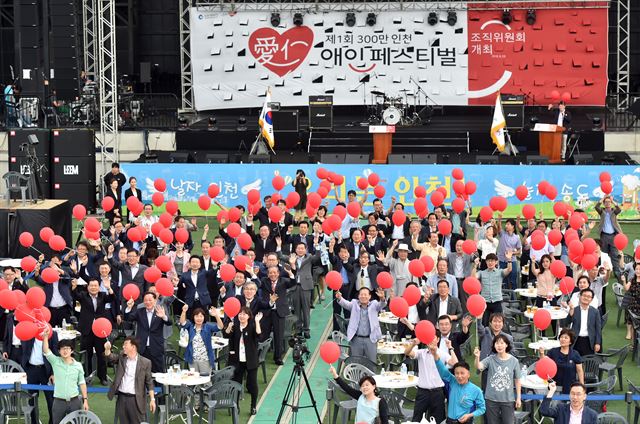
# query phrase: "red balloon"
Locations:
[[231, 307], [57, 243], [130, 291], [166, 219], [22, 298], [555, 95], [576, 248], [589, 261], [334, 280], [152, 274], [28, 263], [567, 285], [79, 212], [253, 196], [486, 213], [157, 199], [292, 200], [101, 328], [542, 319], [399, 307], [551, 192], [444, 227], [26, 330], [498, 203], [8, 299], [457, 205], [159, 184], [234, 230], [384, 280], [234, 214], [560, 208], [222, 215], [420, 205], [425, 331], [471, 286], [213, 190], [46, 233], [171, 207], [49, 275], [606, 187], [542, 187], [637, 252], [323, 192], [420, 191], [416, 268], [133, 234], [26, 239], [341, 211], [241, 262], [576, 221], [605, 176], [244, 241], [457, 174], [362, 183], [107, 204], [476, 305], [590, 245], [470, 188], [164, 263], [538, 241], [327, 228], [522, 192], [458, 188], [322, 173], [428, 263], [443, 190], [204, 202], [132, 203], [164, 287], [469, 246], [156, 227], [558, 269], [412, 295], [278, 182], [398, 218], [217, 253], [330, 352], [546, 368], [373, 179], [166, 236], [529, 211], [227, 272], [36, 297], [314, 200], [182, 235], [275, 214], [91, 224], [620, 241], [353, 209], [379, 191], [437, 198], [3, 285], [555, 237]]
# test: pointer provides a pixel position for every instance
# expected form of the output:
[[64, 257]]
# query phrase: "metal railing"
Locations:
[[617, 119]]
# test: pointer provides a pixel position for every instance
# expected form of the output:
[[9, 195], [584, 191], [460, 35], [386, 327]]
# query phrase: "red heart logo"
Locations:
[[281, 53]]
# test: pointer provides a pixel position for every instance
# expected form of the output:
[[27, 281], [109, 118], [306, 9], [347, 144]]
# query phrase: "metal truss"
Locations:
[[186, 81], [89, 37], [623, 62], [107, 82]]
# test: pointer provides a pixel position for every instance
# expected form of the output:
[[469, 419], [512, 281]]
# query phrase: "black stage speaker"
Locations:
[[486, 159], [18, 137], [635, 108], [181, 157], [21, 164], [285, 120], [84, 194], [217, 158], [332, 157], [425, 158], [582, 159], [537, 160], [259, 159], [320, 112], [356, 158], [397, 159], [513, 107], [74, 169], [73, 142]]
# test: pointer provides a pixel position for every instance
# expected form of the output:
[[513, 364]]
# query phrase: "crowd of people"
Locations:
[[288, 260]]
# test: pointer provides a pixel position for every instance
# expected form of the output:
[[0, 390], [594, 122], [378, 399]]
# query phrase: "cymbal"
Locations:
[[377, 93], [404, 90]]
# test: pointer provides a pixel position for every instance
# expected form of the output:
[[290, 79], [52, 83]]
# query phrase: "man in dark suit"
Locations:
[[420, 234], [131, 383], [208, 264], [234, 288], [303, 237], [194, 283], [562, 118], [355, 245], [58, 294], [362, 274], [280, 228], [263, 242], [459, 265], [373, 243], [92, 307], [341, 262], [85, 262], [263, 214], [253, 301], [302, 265], [565, 413], [274, 288], [586, 323], [443, 303], [11, 344], [149, 331], [131, 270], [38, 369]]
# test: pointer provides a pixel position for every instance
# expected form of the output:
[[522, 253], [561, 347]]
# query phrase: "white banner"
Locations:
[[236, 57]]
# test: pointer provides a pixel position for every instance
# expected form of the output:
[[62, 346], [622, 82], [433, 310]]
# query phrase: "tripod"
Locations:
[[294, 382]]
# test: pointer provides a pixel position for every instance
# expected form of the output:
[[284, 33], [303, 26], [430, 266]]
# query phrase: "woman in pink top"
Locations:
[[545, 281]]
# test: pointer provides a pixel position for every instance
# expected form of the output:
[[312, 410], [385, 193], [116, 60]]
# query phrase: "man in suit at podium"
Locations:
[[562, 118]]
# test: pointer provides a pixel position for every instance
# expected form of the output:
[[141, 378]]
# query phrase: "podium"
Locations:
[[382, 142], [550, 141]]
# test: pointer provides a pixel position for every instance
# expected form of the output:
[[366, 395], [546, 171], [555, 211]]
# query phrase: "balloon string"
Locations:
[[36, 250], [178, 299]]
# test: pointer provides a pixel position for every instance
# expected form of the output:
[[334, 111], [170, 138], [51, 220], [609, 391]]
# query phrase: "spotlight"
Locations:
[[371, 19], [182, 122], [531, 16], [507, 17], [242, 124], [297, 19], [212, 123], [242, 120], [433, 18], [351, 19], [275, 19], [597, 123], [452, 18]]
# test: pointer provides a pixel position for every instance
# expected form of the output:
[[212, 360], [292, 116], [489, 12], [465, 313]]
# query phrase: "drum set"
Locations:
[[404, 108]]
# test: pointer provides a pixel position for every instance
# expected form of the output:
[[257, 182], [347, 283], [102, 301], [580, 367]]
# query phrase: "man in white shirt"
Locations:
[[587, 324]]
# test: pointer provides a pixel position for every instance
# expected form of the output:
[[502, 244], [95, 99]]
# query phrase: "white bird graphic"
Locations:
[[149, 185], [503, 189], [257, 184]]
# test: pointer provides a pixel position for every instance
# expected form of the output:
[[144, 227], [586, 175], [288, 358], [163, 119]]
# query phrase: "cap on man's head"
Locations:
[[403, 246]]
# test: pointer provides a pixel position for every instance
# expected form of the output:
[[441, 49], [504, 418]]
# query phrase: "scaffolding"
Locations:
[[623, 62], [89, 38], [186, 81]]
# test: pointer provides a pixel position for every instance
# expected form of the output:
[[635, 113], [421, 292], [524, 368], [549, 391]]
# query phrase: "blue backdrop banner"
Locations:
[[579, 185]]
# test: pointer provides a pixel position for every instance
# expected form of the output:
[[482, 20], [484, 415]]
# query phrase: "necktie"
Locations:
[[273, 286], [361, 285]]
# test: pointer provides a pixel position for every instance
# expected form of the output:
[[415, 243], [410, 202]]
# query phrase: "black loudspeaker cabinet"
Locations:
[[18, 137], [73, 142], [514, 116], [84, 194], [21, 164], [73, 170], [635, 108], [285, 120], [320, 112]]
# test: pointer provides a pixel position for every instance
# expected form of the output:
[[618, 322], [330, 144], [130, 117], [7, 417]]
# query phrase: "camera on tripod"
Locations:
[[300, 349]]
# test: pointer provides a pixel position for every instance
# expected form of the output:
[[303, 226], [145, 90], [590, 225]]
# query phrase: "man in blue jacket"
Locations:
[[574, 411]]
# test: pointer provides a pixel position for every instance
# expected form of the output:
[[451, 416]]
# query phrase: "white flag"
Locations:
[[266, 121], [498, 125]]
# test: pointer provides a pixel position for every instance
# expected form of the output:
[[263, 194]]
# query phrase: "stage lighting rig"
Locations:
[[242, 124], [371, 19], [275, 19], [432, 19], [298, 20], [351, 19], [531, 16], [507, 17], [212, 123], [452, 18]]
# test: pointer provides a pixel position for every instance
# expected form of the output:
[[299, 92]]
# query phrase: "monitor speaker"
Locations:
[[537, 160], [217, 158], [486, 159], [332, 158], [425, 158], [320, 112], [356, 158], [399, 159]]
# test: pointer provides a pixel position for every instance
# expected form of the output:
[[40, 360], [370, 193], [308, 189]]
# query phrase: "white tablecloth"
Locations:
[[66, 334], [182, 378], [546, 344], [556, 314], [533, 382], [13, 377], [531, 293], [392, 348], [387, 318], [395, 380]]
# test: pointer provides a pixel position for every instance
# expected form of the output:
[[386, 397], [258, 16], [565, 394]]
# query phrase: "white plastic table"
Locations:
[[395, 380], [389, 349], [66, 334], [535, 384], [182, 378], [546, 344], [13, 377], [557, 314], [387, 318]]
